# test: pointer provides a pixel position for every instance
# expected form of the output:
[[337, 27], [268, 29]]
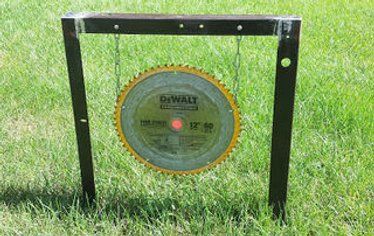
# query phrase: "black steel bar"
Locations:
[[179, 24], [285, 82], [78, 95]]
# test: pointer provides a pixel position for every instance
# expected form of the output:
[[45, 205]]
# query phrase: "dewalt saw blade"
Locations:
[[177, 119]]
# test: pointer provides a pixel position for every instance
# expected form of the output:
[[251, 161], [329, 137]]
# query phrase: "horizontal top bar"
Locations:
[[134, 16], [180, 24]]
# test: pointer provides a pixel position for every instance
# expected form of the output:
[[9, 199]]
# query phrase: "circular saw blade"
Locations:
[[177, 119]]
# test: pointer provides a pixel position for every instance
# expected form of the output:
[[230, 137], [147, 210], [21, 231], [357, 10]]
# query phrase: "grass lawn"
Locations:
[[331, 171]]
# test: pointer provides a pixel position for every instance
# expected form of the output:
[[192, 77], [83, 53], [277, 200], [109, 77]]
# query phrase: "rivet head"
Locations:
[[201, 26], [239, 28], [116, 27], [181, 26]]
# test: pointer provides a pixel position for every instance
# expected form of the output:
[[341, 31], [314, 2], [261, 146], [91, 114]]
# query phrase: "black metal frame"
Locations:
[[286, 28]]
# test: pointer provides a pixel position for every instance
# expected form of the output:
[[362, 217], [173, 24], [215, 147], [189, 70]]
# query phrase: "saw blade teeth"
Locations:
[[199, 71]]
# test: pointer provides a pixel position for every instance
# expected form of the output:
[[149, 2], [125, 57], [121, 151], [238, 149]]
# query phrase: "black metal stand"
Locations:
[[287, 28]]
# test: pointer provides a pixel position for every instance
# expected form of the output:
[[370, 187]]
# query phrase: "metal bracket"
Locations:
[[287, 28]]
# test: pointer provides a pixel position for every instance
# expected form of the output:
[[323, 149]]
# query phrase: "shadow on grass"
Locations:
[[128, 205], [16, 196]]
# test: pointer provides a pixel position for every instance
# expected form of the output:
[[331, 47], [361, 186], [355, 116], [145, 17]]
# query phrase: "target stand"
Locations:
[[286, 28]]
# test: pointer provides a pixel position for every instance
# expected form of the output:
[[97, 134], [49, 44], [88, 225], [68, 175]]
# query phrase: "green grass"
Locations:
[[331, 170]]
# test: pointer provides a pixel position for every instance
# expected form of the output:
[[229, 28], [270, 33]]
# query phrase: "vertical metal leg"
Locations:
[[285, 82], [78, 95]]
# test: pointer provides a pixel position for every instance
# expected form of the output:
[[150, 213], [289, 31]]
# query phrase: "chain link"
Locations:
[[237, 67], [117, 63]]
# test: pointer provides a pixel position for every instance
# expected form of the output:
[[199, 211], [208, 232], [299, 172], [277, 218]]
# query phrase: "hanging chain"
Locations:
[[237, 67], [117, 63]]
